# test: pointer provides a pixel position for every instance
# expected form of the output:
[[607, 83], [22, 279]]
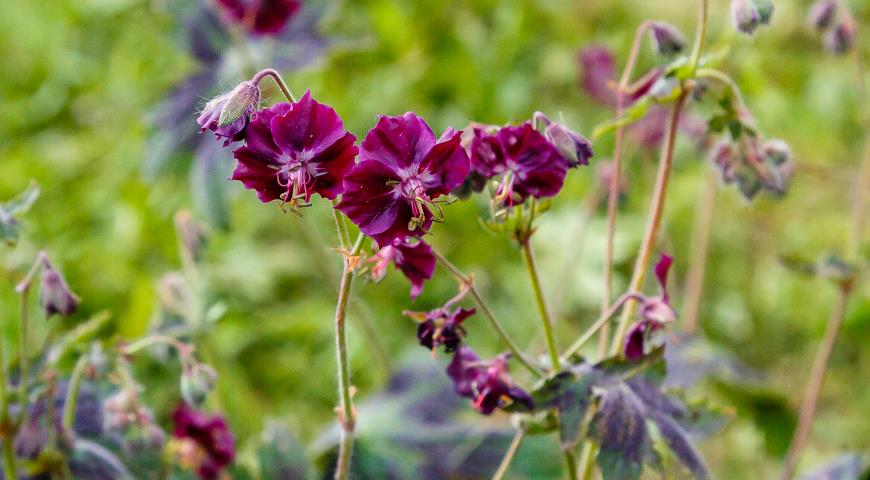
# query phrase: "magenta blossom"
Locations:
[[414, 259], [441, 327], [487, 383], [655, 313], [530, 166], [392, 192], [294, 150], [261, 17], [210, 436]]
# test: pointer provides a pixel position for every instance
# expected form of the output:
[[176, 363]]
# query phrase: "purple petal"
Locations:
[[307, 126], [662, 268], [448, 164], [398, 142], [417, 263]]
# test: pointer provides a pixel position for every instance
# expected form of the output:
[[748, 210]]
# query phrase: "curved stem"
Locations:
[[468, 282], [698, 253], [72, 393], [541, 302], [700, 32], [149, 341], [345, 409], [600, 323], [723, 78], [509, 455], [654, 219], [277, 77], [613, 187], [814, 385]]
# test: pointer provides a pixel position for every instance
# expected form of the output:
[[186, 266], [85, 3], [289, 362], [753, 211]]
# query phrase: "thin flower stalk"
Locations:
[[541, 302], [698, 254], [509, 455], [72, 393]]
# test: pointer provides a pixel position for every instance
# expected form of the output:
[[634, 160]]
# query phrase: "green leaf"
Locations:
[[631, 115], [10, 227]]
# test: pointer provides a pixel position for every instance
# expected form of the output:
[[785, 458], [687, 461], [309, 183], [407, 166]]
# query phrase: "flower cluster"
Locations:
[[655, 313], [754, 166], [836, 22], [206, 443]]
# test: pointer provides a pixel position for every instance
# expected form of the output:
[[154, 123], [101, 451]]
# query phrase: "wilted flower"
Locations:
[[666, 39], [414, 259], [754, 166], [822, 14], [576, 149], [745, 15], [441, 327], [206, 442], [487, 383], [529, 165], [55, 296], [840, 39], [655, 313], [391, 193], [261, 17], [294, 150], [228, 115]]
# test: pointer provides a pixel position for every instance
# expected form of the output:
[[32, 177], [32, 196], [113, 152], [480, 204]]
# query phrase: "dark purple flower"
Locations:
[[745, 15], [576, 149], [211, 436], [487, 383], [261, 17], [441, 327], [55, 296], [655, 313], [414, 259], [228, 115], [527, 162], [840, 39], [391, 193], [294, 150], [822, 14], [666, 39], [598, 74]]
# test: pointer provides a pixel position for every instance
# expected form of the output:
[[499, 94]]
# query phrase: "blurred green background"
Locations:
[[80, 82]]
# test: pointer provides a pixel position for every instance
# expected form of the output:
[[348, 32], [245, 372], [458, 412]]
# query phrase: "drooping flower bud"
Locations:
[[576, 149], [745, 15], [840, 39], [777, 158], [55, 296], [228, 115], [441, 327], [196, 383], [666, 39], [765, 11], [822, 14]]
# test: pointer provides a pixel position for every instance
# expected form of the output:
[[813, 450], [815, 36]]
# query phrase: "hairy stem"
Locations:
[[541, 302], [72, 393], [814, 385], [654, 219], [509, 456], [698, 253], [346, 410], [467, 281], [277, 77]]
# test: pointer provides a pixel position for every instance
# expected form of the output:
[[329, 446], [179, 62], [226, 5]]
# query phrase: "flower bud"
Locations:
[[840, 39], [55, 296], [196, 383], [745, 15], [822, 14], [575, 148], [241, 101], [228, 115], [765, 11], [724, 157], [666, 39]]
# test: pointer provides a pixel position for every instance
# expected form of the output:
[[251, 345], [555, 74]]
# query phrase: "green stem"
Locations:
[[654, 219], [600, 323], [467, 281], [570, 464], [23, 359], [509, 455], [346, 413], [540, 301], [156, 340], [700, 32], [698, 253], [277, 77], [341, 227], [587, 460], [72, 393]]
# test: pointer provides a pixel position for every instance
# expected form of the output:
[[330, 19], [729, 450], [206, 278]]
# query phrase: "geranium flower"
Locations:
[[441, 327], [294, 150], [391, 193], [228, 115], [529, 164], [487, 383], [655, 313], [414, 259], [576, 149], [210, 444], [261, 17]]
